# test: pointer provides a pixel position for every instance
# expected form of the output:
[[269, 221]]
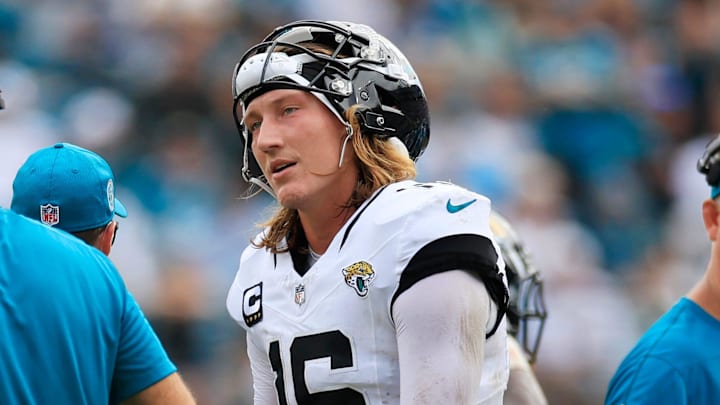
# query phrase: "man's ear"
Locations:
[[710, 214], [105, 240]]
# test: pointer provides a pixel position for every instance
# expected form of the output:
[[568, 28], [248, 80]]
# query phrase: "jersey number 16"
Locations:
[[334, 345]]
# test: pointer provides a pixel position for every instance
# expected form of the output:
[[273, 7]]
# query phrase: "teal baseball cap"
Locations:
[[67, 187]]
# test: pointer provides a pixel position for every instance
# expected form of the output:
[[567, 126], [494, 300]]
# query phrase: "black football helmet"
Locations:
[[709, 162], [362, 68], [526, 312]]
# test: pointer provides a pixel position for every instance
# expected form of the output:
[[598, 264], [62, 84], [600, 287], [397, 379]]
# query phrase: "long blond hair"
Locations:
[[381, 162]]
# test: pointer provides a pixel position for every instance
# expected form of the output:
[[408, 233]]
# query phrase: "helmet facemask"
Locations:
[[526, 310]]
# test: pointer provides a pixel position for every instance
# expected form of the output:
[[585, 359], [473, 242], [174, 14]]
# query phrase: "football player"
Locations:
[[526, 314], [365, 286]]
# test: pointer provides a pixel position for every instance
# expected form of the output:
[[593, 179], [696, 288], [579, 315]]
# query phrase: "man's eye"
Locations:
[[289, 110], [254, 126]]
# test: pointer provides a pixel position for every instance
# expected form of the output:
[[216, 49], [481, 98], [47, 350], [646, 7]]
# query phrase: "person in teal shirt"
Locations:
[[677, 361], [70, 332]]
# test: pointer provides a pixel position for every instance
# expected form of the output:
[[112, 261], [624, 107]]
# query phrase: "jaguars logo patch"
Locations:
[[359, 276]]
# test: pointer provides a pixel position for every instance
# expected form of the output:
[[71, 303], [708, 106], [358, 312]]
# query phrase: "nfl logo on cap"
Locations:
[[49, 214]]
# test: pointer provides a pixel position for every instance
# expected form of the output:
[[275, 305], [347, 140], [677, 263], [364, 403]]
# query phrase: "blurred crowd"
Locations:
[[581, 119]]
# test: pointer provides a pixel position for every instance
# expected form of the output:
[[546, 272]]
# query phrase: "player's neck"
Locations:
[[320, 229], [707, 292]]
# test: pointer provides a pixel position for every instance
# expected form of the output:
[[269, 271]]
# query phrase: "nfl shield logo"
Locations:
[[49, 214], [299, 294]]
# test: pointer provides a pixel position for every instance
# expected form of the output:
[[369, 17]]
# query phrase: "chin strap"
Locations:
[[262, 186], [349, 131]]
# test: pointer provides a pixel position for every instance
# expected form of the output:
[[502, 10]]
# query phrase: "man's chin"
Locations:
[[289, 198]]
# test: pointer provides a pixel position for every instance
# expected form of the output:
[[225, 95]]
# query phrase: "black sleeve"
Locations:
[[469, 252]]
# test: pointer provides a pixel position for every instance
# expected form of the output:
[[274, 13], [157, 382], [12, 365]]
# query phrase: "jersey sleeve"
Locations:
[[656, 382], [141, 360], [445, 371], [450, 230], [234, 300]]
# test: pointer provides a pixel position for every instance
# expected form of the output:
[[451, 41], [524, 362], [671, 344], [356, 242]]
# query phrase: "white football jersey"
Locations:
[[328, 337]]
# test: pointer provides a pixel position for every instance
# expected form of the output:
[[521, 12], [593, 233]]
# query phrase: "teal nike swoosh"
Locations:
[[452, 208]]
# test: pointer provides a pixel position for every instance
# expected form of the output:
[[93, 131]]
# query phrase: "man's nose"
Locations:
[[270, 135]]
